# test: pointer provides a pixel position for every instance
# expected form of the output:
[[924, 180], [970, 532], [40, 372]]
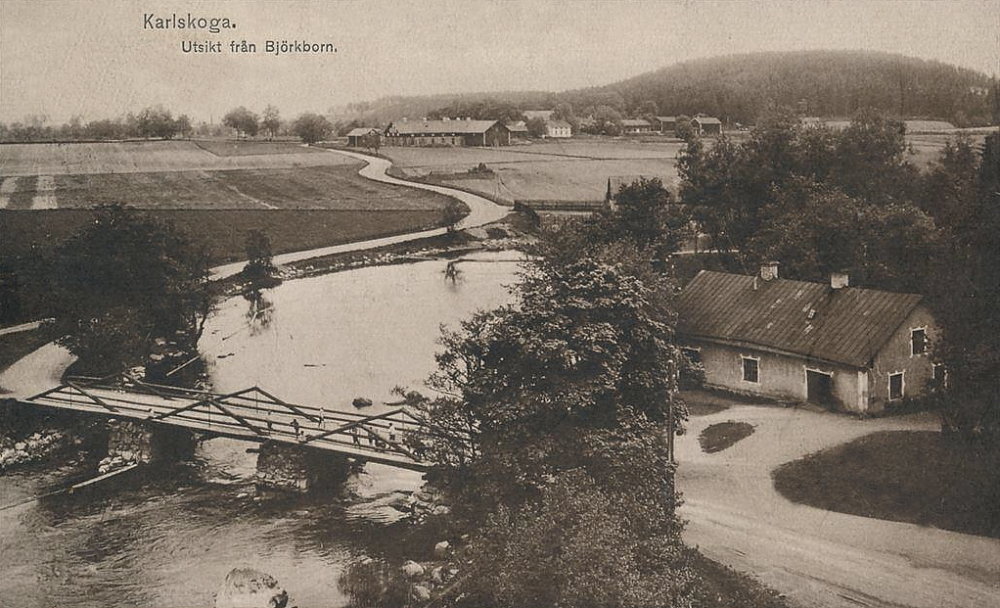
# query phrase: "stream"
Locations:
[[167, 536]]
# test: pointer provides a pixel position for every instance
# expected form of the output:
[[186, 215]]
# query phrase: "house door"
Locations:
[[819, 387]]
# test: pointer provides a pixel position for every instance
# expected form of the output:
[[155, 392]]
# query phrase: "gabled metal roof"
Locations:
[[429, 127], [847, 326], [360, 131]]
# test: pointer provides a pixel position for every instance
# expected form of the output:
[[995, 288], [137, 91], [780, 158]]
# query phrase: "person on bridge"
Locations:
[[356, 435], [295, 427]]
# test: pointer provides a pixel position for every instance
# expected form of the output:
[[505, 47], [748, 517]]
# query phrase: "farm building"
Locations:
[[839, 346], [558, 128], [357, 137], [634, 126], [447, 132], [665, 124], [706, 125], [518, 129]]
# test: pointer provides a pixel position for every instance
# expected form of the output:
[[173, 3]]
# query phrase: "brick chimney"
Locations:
[[769, 270], [839, 280]]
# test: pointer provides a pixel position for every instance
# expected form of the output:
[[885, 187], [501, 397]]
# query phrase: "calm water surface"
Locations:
[[168, 536]]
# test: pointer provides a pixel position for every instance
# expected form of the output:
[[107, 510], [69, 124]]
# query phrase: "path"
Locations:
[[481, 211], [817, 557], [35, 372]]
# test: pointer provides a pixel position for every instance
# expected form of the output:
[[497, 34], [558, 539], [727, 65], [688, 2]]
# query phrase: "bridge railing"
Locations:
[[254, 413]]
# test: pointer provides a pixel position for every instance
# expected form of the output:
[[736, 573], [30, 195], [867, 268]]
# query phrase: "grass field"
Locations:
[[154, 156], [25, 234], [194, 175], [916, 477], [571, 171], [252, 148], [333, 187]]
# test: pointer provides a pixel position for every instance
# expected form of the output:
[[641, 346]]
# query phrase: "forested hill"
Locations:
[[739, 87], [817, 83]]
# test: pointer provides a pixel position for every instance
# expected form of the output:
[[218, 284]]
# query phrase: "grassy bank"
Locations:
[[221, 231], [26, 237], [718, 437], [915, 477]]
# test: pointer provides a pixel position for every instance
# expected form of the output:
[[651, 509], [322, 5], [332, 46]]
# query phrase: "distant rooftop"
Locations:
[[414, 127]]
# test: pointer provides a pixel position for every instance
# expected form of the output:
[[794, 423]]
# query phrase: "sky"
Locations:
[[93, 58]]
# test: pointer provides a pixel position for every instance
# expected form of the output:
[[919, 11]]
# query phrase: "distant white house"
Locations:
[[558, 128], [553, 127]]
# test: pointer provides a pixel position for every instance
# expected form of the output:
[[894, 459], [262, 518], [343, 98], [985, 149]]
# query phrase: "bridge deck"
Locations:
[[252, 414]]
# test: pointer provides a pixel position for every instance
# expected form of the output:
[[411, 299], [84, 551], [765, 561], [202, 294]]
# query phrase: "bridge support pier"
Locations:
[[294, 468], [143, 442]]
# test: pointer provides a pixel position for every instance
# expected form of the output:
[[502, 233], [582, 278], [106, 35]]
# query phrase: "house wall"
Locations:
[[551, 131], [781, 377], [895, 357]]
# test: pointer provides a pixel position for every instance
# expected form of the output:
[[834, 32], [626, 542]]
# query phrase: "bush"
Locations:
[[574, 547]]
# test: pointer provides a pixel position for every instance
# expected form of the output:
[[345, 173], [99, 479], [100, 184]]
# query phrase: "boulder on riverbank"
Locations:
[[34, 447], [249, 588]]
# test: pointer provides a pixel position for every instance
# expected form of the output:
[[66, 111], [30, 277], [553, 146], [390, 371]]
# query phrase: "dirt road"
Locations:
[[481, 211], [816, 557]]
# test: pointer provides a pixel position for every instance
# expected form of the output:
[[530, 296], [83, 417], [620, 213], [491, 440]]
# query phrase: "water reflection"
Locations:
[[259, 312]]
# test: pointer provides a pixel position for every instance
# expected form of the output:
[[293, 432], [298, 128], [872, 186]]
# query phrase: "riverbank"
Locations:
[[514, 232]]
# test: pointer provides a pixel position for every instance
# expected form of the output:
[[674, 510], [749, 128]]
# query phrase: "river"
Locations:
[[168, 536]]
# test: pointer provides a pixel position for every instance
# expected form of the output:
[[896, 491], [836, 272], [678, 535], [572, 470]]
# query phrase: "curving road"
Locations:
[[817, 557], [481, 211]]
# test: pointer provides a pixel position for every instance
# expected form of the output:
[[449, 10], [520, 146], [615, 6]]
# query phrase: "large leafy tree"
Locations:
[[644, 214], [568, 397], [245, 122], [817, 199], [123, 282], [312, 128], [968, 304]]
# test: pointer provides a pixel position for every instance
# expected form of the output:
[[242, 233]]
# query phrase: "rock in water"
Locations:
[[412, 569], [441, 549], [360, 402], [249, 588]]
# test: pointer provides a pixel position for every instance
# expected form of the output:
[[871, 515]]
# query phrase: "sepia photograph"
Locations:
[[500, 303]]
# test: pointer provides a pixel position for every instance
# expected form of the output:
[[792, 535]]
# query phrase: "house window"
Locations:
[[751, 370], [895, 386], [918, 341]]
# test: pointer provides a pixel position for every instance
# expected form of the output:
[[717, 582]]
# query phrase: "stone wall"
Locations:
[[134, 442], [297, 468]]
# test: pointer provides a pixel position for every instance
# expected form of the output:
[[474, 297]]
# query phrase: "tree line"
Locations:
[[157, 122]]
